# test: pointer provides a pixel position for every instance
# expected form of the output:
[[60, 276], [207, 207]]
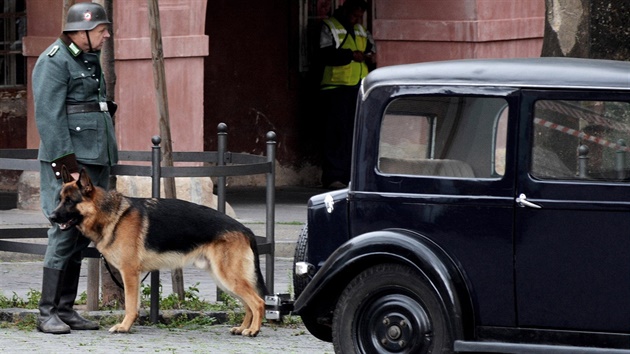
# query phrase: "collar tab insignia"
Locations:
[[74, 49]]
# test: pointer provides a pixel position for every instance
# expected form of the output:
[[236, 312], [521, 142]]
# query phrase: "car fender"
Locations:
[[387, 246]]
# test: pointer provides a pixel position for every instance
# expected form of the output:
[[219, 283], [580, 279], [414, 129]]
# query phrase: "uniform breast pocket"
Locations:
[[82, 87], [85, 136]]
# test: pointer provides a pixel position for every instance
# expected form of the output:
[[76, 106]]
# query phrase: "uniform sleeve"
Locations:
[[50, 84]]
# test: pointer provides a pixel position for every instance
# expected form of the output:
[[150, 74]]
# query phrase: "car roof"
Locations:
[[547, 72]]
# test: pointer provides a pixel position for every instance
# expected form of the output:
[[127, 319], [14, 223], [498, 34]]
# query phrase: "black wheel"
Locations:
[[389, 308], [301, 255]]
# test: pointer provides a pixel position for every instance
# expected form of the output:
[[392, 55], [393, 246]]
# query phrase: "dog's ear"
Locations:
[[85, 183], [66, 177]]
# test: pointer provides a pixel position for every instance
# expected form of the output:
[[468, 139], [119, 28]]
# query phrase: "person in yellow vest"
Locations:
[[347, 51]]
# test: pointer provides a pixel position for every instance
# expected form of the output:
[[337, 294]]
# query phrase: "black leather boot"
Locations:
[[69, 288], [49, 321]]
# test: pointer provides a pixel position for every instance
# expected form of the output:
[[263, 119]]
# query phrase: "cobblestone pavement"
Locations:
[[24, 276], [151, 339]]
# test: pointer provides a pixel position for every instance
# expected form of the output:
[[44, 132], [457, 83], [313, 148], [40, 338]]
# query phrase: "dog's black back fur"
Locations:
[[191, 218]]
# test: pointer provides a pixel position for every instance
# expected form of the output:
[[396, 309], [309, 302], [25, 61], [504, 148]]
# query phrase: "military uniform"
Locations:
[[69, 90], [76, 131]]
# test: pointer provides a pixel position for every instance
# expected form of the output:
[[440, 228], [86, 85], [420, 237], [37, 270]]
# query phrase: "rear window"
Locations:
[[444, 136]]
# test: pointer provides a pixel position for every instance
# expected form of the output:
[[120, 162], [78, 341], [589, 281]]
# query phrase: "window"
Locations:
[[581, 140], [462, 137], [12, 29]]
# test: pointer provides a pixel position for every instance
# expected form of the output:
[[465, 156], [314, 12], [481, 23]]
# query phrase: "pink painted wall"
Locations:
[[185, 45], [426, 30], [42, 27]]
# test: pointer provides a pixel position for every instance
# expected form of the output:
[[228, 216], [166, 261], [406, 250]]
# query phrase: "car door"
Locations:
[[440, 164], [572, 221]]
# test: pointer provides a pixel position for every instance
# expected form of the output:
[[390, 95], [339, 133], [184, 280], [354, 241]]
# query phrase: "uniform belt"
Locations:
[[86, 107]]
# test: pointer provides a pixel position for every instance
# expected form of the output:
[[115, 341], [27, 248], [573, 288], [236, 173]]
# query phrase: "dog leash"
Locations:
[[111, 274]]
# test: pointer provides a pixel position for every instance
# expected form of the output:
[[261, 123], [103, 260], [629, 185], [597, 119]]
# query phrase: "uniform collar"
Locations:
[[72, 48]]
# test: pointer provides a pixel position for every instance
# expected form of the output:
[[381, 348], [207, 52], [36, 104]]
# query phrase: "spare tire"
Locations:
[[300, 255]]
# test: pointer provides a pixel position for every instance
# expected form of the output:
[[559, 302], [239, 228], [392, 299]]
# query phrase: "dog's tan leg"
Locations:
[[232, 262], [247, 320], [254, 313], [253, 304], [131, 281]]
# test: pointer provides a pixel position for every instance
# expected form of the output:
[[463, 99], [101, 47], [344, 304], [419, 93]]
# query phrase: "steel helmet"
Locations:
[[85, 16]]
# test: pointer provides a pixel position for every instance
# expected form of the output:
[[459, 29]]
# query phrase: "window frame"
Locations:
[[13, 29]]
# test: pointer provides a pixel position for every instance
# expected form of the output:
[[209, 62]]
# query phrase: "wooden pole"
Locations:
[[159, 79], [93, 273], [112, 293]]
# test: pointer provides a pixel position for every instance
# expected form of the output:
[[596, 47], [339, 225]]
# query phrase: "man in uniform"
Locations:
[[76, 131]]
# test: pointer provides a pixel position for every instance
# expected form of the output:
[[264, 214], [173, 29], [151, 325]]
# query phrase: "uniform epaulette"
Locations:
[[53, 51]]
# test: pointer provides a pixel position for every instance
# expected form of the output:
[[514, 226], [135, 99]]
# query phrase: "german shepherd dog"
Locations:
[[144, 234]]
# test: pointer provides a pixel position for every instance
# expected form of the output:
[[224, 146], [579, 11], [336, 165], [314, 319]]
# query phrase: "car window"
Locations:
[[584, 140], [443, 136]]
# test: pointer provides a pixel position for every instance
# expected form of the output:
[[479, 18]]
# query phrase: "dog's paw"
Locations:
[[119, 328], [249, 333], [236, 330]]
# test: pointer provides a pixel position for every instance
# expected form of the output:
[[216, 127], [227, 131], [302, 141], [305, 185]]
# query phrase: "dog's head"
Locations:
[[74, 193]]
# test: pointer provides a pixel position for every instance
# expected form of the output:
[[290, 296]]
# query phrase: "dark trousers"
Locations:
[[338, 109], [64, 246]]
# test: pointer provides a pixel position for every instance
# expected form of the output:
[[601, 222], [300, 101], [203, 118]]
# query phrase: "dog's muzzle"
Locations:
[[62, 222]]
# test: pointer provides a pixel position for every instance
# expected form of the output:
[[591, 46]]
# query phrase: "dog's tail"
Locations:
[[260, 281]]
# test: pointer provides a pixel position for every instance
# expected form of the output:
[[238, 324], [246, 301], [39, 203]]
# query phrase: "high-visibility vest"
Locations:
[[351, 74]]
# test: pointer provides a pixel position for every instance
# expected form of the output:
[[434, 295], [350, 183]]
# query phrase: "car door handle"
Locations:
[[523, 202]]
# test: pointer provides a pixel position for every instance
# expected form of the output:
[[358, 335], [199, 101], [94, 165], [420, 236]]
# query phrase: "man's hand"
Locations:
[[357, 55]]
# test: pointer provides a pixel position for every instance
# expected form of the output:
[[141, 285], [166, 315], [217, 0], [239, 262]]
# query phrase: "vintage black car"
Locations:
[[489, 211]]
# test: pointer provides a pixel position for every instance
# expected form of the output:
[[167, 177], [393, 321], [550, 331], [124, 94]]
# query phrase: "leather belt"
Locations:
[[86, 107]]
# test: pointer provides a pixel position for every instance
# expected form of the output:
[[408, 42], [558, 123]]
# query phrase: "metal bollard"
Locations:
[[221, 180], [583, 151], [221, 161], [620, 160], [156, 158], [271, 201]]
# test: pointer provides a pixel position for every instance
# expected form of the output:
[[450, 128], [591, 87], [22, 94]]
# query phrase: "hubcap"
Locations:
[[396, 324]]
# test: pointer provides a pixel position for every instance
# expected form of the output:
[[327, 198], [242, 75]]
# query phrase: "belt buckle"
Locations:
[[103, 106]]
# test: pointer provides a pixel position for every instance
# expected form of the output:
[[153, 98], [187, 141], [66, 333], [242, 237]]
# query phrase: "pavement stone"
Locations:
[[151, 339]]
